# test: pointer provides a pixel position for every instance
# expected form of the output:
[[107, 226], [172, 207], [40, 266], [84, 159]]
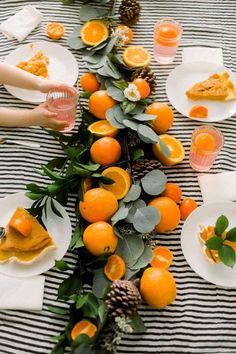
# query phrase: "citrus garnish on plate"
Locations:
[[136, 56], [198, 112], [94, 32]]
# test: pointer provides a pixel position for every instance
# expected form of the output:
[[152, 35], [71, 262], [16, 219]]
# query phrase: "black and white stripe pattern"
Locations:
[[202, 319]]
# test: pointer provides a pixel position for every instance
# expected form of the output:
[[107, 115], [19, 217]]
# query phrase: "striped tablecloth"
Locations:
[[203, 317]]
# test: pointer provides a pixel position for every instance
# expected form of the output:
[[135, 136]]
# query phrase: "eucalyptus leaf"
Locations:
[[100, 283], [231, 235], [164, 149], [221, 225], [76, 43], [130, 124], [144, 117], [115, 93], [88, 12], [144, 259], [111, 118], [146, 218], [227, 255], [110, 45], [128, 106], [99, 46], [76, 31], [214, 243], [129, 274], [130, 248], [154, 182], [137, 154], [119, 114], [121, 214], [120, 84], [132, 210], [133, 194], [138, 109], [90, 167], [147, 134]]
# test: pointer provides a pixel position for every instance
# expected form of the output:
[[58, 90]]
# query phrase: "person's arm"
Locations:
[[39, 116]]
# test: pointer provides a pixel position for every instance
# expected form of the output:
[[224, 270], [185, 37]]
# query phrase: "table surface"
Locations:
[[203, 317]]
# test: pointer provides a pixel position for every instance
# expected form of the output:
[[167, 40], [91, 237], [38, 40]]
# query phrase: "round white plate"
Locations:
[[58, 228], [62, 67], [206, 215], [184, 76]]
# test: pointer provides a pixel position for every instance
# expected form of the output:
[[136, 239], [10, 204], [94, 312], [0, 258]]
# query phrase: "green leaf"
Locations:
[[58, 163], [128, 106], [130, 248], [76, 43], [55, 210], [90, 167], [214, 243], [88, 12], [53, 175], [115, 93], [146, 218], [133, 194], [58, 310], [137, 154], [111, 119], [106, 180], [130, 124], [137, 204], [164, 149], [34, 196], [110, 45], [69, 286], [121, 214], [59, 347], [102, 313], [231, 235], [33, 187], [82, 172], [144, 259], [90, 308], [84, 348], [221, 225], [81, 301], [144, 117], [227, 255], [120, 84], [137, 323], [54, 188], [62, 265], [100, 283], [147, 134], [85, 94], [154, 182]]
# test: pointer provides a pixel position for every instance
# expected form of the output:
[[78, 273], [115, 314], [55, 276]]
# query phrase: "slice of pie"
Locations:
[[216, 87], [37, 65], [25, 239]]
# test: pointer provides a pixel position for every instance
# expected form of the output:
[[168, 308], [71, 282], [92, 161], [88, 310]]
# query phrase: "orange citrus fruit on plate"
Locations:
[[98, 205], [157, 287], [162, 257], [136, 56], [99, 238], [55, 30], [176, 150], [122, 181], [103, 128], [21, 225], [100, 103], [126, 32], [83, 327], [94, 32], [173, 192], [105, 151], [187, 206], [143, 87], [115, 268], [198, 112], [169, 212], [89, 82], [164, 119]]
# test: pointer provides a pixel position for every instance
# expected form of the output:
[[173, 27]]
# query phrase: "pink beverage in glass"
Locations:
[[167, 34], [63, 101], [206, 144]]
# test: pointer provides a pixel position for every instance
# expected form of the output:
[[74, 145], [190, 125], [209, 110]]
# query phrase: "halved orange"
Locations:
[[83, 327], [115, 268], [94, 32], [103, 128], [162, 257], [55, 30], [176, 150], [126, 32], [122, 181], [136, 56]]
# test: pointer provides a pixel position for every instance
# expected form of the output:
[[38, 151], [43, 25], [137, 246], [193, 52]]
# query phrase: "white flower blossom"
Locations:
[[132, 93], [123, 324]]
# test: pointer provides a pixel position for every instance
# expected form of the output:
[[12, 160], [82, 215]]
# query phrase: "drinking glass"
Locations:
[[63, 101], [207, 142], [167, 34]]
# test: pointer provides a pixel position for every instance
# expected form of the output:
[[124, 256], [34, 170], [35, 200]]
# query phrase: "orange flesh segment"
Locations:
[[205, 141], [162, 257], [198, 112], [115, 268], [21, 225], [83, 327]]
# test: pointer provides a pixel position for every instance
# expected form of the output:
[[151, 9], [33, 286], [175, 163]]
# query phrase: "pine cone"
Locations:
[[129, 12], [122, 299], [146, 74], [142, 167]]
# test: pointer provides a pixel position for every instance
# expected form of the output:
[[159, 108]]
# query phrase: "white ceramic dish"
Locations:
[[62, 67], [58, 228], [206, 215], [184, 76]]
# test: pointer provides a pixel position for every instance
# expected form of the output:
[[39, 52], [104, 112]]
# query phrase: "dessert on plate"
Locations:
[[36, 65], [25, 239], [217, 87]]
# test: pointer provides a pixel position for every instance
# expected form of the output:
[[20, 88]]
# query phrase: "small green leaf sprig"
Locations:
[[218, 242]]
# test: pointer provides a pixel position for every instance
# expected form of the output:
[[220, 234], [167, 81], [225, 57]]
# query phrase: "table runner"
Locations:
[[203, 317]]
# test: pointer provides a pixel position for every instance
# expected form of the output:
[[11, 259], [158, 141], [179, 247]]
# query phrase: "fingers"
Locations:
[[57, 125]]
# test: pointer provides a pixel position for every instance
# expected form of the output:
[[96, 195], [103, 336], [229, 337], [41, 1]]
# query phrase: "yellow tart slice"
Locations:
[[37, 65], [216, 87], [25, 240]]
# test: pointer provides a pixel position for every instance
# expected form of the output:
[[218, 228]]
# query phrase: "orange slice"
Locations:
[[198, 112], [126, 32], [55, 30], [136, 56], [103, 128], [176, 150], [83, 327], [115, 268], [162, 257], [122, 181], [94, 32]]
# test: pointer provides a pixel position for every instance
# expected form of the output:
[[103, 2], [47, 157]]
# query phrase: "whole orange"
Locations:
[[99, 103], [170, 214], [173, 192], [98, 205], [89, 82], [157, 287], [164, 119], [105, 151], [143, 87], [187, 206], [99, 238]]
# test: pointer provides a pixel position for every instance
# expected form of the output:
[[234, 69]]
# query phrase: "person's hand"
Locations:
[[46, 85], [42, 117]]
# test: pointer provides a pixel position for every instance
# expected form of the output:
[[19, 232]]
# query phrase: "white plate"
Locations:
[[62, 67], [58, 228], [184, 76], [206, 215]]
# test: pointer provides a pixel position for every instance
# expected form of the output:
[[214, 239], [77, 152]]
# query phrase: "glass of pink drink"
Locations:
[[63, 101], [207, 142], [167, 34]]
